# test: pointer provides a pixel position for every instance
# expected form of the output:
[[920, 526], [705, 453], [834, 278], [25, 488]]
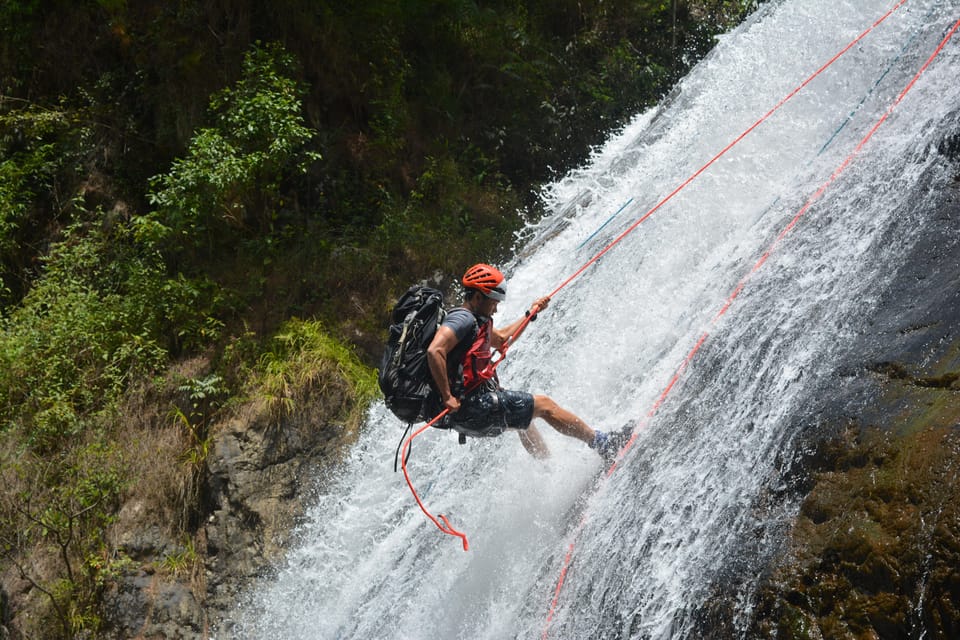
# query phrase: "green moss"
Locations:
[[870, 539]]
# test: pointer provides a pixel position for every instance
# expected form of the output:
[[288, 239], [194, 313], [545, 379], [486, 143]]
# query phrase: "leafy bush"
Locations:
[[102, 313], [232, 174], [37, 146], [62, 504]]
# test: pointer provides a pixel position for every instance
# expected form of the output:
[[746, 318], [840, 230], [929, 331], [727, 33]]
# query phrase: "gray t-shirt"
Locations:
[[462, 322]]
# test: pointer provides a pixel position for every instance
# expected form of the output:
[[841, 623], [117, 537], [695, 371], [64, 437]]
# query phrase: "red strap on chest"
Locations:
[[478, 361]]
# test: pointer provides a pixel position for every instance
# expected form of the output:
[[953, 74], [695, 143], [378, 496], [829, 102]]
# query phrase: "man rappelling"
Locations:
[[466, 383]]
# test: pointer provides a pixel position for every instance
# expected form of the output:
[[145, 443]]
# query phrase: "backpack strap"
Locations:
[[396, 456]]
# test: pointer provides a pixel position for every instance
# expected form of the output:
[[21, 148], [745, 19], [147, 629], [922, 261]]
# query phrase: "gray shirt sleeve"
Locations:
[[461, 322]]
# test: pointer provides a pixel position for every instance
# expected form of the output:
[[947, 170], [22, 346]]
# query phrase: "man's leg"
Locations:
[[533, 443], [562, 420]]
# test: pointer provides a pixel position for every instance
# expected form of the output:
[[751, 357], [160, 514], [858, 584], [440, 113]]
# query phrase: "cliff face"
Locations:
[[875, 549], [259, 477]]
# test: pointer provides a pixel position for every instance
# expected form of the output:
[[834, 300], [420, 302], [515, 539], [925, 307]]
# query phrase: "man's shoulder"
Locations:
[[461, 321], [460, 315]]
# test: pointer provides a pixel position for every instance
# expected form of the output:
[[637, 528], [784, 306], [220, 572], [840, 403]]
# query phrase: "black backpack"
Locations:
[[404, 373]]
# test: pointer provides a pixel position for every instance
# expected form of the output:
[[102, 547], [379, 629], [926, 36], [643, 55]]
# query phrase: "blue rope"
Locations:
[[580, 246], [883, 75]]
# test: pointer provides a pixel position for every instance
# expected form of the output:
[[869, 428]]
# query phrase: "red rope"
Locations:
[[723, 151], [736, 292], [446, 527]]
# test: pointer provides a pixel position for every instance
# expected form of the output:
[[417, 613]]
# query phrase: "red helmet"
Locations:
[[487, 280]]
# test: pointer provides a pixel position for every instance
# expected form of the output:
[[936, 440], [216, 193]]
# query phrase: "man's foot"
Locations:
[[608, 445]]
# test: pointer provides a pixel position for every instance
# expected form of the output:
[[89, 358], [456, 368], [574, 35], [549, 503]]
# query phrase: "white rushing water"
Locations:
[[695, 506]]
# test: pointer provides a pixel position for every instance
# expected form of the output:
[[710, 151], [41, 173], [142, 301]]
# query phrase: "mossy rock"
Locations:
[[875, 550]]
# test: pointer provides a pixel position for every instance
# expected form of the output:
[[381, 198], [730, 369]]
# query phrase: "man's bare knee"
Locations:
[[544, 407]]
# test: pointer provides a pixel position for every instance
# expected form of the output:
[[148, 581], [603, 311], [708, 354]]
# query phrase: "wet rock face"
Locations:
[[875, 549]]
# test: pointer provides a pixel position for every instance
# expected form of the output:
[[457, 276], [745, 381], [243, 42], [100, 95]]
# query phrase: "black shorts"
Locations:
[[490, 413]]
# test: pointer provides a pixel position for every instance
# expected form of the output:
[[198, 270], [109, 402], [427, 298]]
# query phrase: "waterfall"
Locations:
[[697, 504]]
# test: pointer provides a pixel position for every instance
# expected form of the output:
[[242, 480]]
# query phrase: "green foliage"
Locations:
[[99, 316], [26, 172], [63, 503], [18, 21], [37, 145], [205, 396], [448, 213], [232, 174], [79, 334], [305, 358], [186, 561]]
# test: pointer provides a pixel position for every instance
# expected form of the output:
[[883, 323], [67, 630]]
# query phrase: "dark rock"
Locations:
[[4, 615], [149, 606], [873, 552], [258, 478]]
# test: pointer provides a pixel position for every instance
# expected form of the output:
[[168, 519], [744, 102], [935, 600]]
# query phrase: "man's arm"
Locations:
[[514, 329], [443, 342]]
